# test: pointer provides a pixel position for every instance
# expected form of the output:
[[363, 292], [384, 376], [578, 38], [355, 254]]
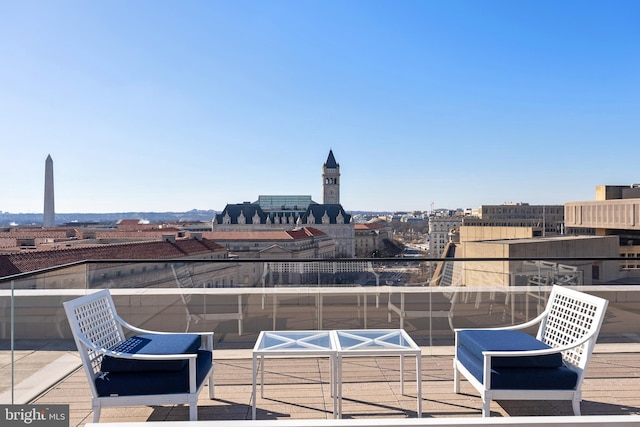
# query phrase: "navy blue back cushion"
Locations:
[[152, 344], [153, 382], [477, 341]]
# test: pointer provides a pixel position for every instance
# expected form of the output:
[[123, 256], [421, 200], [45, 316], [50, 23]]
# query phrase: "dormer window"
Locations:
[[242, 219], [325, 218], [226, 219]]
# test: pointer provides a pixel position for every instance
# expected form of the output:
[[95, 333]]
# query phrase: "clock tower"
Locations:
[[331, 181]]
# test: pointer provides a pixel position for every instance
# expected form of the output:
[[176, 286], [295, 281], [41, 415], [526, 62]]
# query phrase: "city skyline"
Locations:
[[147, 106]]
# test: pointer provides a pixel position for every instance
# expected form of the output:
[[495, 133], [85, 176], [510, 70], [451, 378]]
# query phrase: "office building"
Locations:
[[616, 211], [550, 218]]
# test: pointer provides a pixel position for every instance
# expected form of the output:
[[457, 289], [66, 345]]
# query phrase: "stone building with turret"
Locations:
[[286, 212]]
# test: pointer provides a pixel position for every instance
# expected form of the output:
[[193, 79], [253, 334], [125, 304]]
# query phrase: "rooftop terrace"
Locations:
[[44, 368], [297, 389]]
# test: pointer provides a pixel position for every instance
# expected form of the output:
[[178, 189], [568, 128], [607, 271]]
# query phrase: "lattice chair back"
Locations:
[[94, 325], [571, 317]]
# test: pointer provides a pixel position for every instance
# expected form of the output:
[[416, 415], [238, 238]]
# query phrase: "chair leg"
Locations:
[[96, 412], [211, 384], [456, 378], [576, 406], [486, 412]]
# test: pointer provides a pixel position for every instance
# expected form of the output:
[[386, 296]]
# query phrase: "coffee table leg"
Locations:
[[339, 387], [334, 392], [253, 395], [419, 383], [262, 377]]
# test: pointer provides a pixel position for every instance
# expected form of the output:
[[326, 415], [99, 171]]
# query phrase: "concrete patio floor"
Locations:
[[299, 388]]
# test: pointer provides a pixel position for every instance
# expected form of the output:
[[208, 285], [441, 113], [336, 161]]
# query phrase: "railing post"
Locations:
[[13, 366]]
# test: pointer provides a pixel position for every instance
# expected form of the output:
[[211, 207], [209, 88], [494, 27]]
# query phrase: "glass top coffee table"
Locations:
[[378, 342], [336, 345], [292, 343]]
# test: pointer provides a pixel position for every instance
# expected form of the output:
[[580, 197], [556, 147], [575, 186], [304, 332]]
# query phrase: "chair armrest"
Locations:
[[525, 325], [120, 355], [184, 356], [207, 335], [553, 350]]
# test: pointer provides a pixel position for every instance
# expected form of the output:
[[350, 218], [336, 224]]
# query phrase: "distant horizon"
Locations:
[[195, 211], [150, 106], [435, 209]]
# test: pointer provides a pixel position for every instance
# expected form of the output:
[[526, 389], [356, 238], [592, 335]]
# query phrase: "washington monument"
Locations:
[[49, 210]]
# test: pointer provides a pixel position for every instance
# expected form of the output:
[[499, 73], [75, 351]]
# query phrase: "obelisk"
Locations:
[[49, 209]]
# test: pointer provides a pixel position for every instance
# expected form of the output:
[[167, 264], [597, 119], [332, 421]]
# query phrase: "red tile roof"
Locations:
[[301, 233], [136, 234], [272, 235], [35, 260], [369, 226], [34, 233]]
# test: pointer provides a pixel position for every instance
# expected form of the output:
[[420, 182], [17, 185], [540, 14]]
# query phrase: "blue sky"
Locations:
[[170, 106]]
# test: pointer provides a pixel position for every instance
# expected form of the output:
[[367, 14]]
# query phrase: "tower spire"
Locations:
[[331, 161]]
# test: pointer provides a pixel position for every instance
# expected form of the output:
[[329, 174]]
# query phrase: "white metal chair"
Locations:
[[150, 368], [507, 364]]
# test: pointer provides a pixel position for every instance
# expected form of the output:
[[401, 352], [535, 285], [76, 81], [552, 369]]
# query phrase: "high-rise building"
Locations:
[[440, 231], [49, 209]]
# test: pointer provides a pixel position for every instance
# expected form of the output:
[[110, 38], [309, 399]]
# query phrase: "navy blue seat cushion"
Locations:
[[477, 341], [152, 344], [523, 378], [153, 382]]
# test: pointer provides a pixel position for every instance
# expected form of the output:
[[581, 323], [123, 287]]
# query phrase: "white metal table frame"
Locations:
[[378, 342], [288, 343], [339, 343]]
